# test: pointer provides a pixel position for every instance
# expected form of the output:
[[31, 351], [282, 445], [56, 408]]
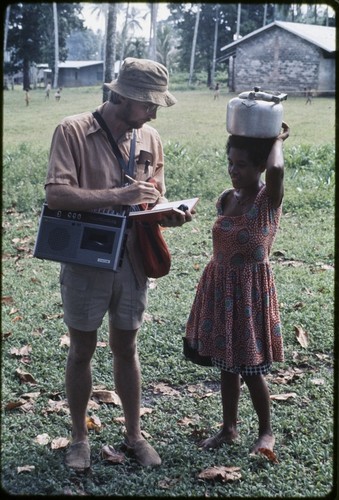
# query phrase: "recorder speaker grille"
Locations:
[[59, 238]]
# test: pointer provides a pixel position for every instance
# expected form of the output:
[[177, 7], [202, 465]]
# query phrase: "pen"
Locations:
[[130, 178]]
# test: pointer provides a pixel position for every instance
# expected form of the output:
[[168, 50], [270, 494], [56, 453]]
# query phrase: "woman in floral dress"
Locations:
[[234, 322]]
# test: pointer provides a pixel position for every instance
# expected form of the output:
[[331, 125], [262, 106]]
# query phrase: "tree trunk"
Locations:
[[194, 43], [238, 22], [56, 46], [265, 15], [216, 25], [124, 35], [8, 10], [152, 52], [110, 49], [25, 75]]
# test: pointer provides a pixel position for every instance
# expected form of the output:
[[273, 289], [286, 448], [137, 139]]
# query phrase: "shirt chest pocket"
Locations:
[[144, 166]]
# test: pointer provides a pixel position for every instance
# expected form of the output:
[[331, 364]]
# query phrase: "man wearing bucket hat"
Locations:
[[84, 174]]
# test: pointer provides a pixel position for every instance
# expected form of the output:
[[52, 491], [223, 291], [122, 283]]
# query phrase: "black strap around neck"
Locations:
[[128, 169]]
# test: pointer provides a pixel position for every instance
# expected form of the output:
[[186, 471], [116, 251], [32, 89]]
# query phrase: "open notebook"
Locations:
[[162, 210]]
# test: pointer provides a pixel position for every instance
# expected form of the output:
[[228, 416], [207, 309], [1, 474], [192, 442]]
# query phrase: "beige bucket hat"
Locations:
[[143, 80]]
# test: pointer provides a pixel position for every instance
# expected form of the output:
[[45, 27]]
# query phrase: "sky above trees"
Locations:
[[94, 23]]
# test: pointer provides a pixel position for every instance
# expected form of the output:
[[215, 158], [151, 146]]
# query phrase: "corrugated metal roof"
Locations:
[[78, 64], [322, 36]]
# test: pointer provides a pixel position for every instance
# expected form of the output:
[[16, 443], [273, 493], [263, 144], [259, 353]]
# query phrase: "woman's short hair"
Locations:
[[257, 149]]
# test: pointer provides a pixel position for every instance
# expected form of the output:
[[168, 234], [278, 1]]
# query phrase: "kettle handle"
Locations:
[[264, 96]]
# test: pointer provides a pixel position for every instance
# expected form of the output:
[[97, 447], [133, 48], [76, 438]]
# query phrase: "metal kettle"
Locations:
[[255, 114]]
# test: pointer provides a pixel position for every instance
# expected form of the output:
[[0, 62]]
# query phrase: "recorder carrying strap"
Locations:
[[153, 248], [128, 169]]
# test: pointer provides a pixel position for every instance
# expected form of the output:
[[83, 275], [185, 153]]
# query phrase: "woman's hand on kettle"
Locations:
[[285, 132]]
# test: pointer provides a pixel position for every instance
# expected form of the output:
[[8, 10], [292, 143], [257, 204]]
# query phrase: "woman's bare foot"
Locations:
[[265, 441], [218, 440]]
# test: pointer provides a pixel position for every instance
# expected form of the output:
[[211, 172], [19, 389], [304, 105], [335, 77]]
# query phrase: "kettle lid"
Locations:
[[257, 94]]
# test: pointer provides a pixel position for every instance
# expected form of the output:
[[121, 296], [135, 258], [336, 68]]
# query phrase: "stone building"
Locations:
[[283, 56]]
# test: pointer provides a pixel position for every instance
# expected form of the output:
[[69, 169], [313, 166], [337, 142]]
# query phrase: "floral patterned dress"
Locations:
[[234, 320]]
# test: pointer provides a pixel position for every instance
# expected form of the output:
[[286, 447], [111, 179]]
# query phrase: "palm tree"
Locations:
[[8, 10], [56, 45], [110, 46], [216, 25], [238, 21], [101, 9], [153, 31], [166, 50], [265, 15], [131, 21], [194, 43]]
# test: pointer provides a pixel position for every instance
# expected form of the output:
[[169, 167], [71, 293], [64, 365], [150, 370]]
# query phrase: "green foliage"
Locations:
[[23, 172], [198, 173], [310, 178], [31, 35], [303, 265]]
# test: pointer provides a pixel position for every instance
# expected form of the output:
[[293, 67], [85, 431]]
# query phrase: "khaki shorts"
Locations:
[[88, 293]]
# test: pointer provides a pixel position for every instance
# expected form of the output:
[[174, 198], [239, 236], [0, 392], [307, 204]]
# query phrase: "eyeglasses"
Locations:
[[151, 108]]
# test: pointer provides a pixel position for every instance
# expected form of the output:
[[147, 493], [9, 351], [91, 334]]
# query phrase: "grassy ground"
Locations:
[[182, 400]]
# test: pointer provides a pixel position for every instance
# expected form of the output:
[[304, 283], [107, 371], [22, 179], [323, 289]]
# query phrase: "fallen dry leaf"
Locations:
[[25, 377], [166, 483], [324, 357], [145, 411], [269, 454], [93, 423], [119, 420], [12, 405], [59, 443], [285, 377], [93, 405], [7, 299], [112, 456], [148, 317], [186, 421], [207, 395], [57, 406], [279, 253], [22, 403], [194, 388], [317, 381], [16, 319], [53, 316], [153, 284], [42, 439], [35, 280], [108, 397], [283, 397], [65, 340], [166, 389], [220, 473], [301, 335], [25, 468], [299, 305], [22, 351], [31, 395]]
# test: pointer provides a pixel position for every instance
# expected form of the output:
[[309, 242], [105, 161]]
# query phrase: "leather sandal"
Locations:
[[78, 457], [143, 452]]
